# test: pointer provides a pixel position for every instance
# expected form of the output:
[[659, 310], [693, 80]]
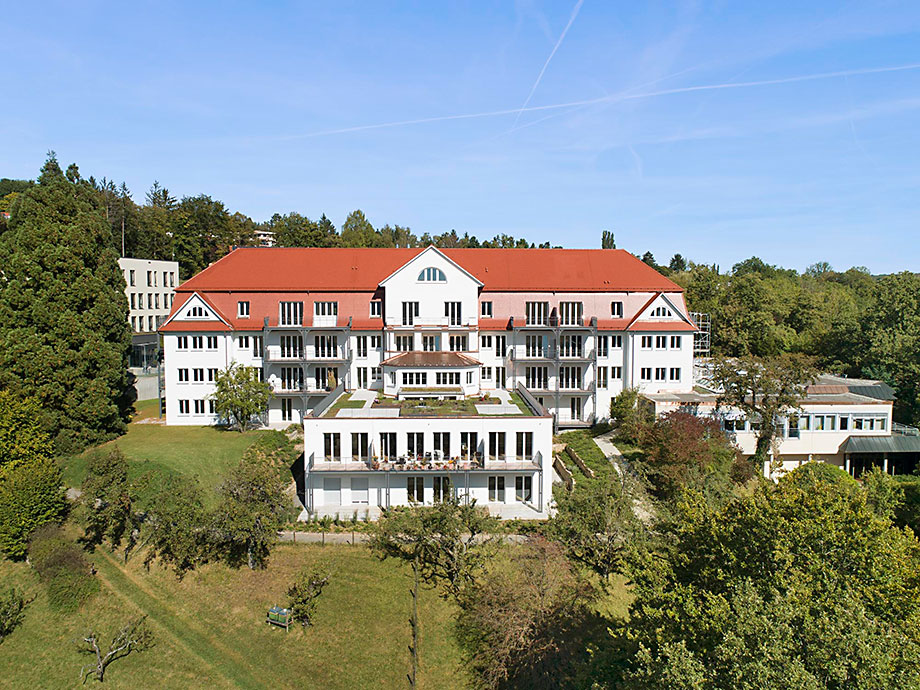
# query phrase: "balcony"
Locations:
[[429, 462], [276, 355]]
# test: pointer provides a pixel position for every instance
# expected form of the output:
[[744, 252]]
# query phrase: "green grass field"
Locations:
[[210, 630], [203, 452]]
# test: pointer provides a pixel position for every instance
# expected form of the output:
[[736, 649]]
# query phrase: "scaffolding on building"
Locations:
[[702, 339]]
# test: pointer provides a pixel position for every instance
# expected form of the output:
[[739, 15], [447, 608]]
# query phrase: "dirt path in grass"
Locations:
[[226, 663]]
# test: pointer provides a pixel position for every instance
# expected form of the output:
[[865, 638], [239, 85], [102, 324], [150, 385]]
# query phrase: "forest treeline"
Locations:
[[851, 322]]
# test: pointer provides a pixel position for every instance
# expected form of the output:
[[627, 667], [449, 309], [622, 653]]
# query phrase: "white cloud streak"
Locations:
[[612, 98], [548, 60]]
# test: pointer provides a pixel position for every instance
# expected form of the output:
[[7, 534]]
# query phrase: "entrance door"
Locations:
[[332, 491], [500, 376], [359, 490], [441, 489]]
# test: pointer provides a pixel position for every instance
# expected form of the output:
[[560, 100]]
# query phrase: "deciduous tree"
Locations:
[[135, 636], [239, 395]]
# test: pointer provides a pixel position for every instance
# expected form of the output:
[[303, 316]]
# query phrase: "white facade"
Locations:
[[350, 467], [149, 288]]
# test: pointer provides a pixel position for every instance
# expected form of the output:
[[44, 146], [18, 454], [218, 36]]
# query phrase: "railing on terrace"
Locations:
[[428, 462], [904, 429]]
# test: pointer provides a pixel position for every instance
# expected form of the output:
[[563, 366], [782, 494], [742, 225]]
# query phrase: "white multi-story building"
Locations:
[[552, 334], [150, 290]]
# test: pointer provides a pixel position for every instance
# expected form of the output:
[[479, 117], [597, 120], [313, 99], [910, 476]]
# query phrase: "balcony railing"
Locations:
[[275, 354], [429, 462]]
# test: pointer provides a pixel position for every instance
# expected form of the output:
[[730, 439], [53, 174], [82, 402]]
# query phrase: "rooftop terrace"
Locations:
[[365, 404]]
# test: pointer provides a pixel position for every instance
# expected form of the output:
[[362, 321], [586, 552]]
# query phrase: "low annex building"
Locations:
[[417, 372]]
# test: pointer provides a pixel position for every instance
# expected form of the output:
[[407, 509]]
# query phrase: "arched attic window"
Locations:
[[662, 311], [196, 312], [432, 275]]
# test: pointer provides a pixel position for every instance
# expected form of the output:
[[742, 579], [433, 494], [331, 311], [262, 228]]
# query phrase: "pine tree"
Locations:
[[64, 333]]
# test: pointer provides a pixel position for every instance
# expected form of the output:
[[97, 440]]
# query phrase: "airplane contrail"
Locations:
[[546, 64], [612, 98]]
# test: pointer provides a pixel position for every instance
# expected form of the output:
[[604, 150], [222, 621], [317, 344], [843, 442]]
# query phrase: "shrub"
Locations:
[[627, 417], [31, 495], [62, 569], [908, 512], [12, 609], [813, 473], [686, 451], [273, 447]]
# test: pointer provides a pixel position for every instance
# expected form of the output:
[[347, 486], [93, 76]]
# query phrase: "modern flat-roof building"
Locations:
[[842, 421], [550, 334], [149, 288]]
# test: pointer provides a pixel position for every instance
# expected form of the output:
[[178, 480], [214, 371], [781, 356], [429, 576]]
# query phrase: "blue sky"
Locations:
[[650, 119]]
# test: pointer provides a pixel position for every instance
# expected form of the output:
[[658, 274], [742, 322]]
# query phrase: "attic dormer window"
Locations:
[[662, 311], [196, 313], [432, 275]]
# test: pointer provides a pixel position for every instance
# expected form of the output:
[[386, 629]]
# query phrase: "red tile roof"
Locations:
[[193, 326], [500, 270], [430, 359], [663, 326]]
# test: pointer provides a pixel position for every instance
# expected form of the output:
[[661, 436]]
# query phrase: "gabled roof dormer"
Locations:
[[663, 312], [430, 266], [196, 309]]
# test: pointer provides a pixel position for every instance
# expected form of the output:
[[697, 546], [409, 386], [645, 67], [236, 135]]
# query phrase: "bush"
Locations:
[[12, 610], [31, 495], [62, 569], [908, 512], [813, 473], [627, 417], [686, 451], [273, 447]]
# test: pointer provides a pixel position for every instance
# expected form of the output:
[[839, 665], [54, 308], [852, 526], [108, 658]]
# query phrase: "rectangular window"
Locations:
[[164, 278], [287, 409], [150, 300], [332, 446], [616, 342], [603, 346], [375, 374], [469, 444], [182, 342], [675, 342], [674, 374], [149, 278], [388, 445], [645, 374], [325, 309], [570, 377], [198, 375], [523, 488], [571, 346], [415, 444], [535, 346], [616, 310], [486, 373], [469, 378], [441, 486], [616, 373], [453, 312], [409, 313], [150, 323], [243, 342], [242, 310], [133, 301], [375, 342], [501, 345], [290, 314], [485, 341], [199, 407], [486, 310], [442, 443], [415, 489], [447, 378], [404, 343], [291, 378], [212, 375], [131, 278], [660, 373], [602, 377], [326, 346], [291, 347], [458, 343], [212, 342], [496, 445], [361, 346], [172, 279], [844, 422], [183, 407], [524, 445], [536, 378], [646, 342], [156, 301], [362, 377], [183, 375], [570, 313], [212, 407], [257, 346], [376, 308], [536, 313], [496, 489], [360, 445], [661, 342], [431, 343], [415, 378]]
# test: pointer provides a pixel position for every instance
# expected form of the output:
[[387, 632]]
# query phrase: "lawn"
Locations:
[[204, 452], [343, 402], [210, 630], [583, 443]]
